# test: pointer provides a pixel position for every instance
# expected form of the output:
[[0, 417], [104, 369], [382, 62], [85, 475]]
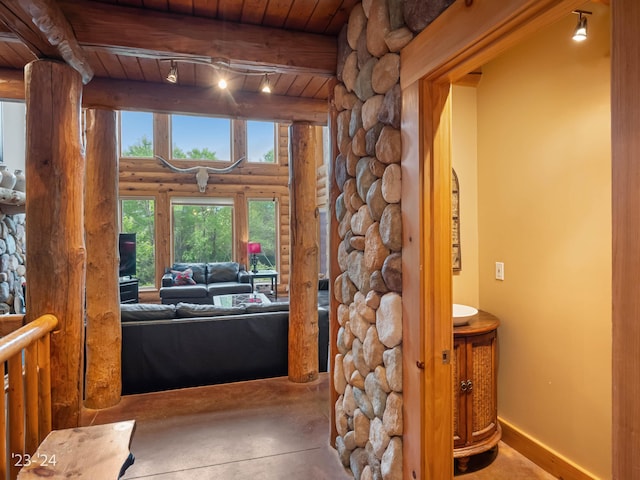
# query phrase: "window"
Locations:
[[261, 139], [136, 134], [202, 230], [201, 138], [138, 216], [263, 228]]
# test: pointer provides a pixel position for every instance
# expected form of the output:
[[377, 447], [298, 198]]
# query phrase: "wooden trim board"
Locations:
[[541, 455]]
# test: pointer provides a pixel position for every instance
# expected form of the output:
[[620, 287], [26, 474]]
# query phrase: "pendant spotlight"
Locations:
[[265, 86], [580, 33], [172, 76]]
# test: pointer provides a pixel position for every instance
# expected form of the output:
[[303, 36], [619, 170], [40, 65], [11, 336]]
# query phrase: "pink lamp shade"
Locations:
[[254, 247]]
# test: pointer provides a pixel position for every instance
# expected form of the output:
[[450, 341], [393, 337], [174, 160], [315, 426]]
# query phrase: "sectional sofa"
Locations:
[[185, 345], [199, 282]]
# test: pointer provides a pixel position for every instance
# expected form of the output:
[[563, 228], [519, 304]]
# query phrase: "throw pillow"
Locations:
[[198, 269], [184, 277]]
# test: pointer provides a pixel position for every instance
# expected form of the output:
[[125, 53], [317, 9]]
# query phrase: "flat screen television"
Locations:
[[127, 246]]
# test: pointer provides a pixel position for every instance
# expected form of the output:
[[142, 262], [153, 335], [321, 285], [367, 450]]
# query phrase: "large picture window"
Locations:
[[200, 138], [263, 228], [202, 230], [136, 134], [261, 141], [138, 216]]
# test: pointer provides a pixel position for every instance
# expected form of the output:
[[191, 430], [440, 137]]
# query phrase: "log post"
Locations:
[[103, 380], [241, 206], [303, 280], [55, 209]]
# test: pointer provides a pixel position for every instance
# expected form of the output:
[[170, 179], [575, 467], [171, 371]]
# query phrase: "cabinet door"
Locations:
[[459, 398], [484, 391]]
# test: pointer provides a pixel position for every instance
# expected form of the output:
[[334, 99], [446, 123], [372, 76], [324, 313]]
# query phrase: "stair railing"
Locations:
[[25, 407]]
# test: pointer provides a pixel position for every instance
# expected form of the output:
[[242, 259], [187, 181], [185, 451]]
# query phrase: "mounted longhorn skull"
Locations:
[[202, 173]]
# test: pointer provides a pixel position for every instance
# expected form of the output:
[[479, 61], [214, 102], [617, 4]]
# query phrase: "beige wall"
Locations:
[[544, 190], [465, 162]]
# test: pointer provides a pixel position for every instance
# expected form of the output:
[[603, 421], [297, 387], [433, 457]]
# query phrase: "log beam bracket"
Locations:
[[43, 28]]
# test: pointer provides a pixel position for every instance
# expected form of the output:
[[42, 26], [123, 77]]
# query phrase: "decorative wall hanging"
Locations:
[[456, 259], [202, 173]]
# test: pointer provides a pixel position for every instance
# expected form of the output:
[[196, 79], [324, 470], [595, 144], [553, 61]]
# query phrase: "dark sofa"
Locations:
[[207, 280], [167, 347]]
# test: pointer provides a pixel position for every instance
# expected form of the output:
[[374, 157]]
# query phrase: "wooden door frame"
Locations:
[[625, 151], [459, 41]]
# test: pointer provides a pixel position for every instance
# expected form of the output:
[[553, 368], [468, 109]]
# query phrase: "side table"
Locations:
[[270, 274], [475, 388]]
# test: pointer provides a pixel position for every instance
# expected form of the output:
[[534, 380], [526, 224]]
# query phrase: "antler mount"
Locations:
[[202, 172]]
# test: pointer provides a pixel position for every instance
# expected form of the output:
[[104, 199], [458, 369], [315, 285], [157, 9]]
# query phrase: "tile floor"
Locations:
[[260, 430]]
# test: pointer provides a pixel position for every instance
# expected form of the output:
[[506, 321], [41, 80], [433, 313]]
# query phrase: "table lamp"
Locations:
[[254, 248]]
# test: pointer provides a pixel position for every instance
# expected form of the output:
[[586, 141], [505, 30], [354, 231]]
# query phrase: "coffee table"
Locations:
[[240, 299]]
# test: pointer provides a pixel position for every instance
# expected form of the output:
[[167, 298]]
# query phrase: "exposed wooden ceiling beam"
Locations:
[[44, 29], [11, 84], [157, 97], [136, 32]]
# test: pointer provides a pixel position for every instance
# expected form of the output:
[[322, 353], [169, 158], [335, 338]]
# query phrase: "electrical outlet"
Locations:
[[499, 271]]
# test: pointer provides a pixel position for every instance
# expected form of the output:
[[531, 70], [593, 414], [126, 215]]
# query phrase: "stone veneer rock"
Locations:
[[12, 262]]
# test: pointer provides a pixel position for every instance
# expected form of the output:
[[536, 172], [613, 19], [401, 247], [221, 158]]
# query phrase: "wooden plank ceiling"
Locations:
[[293, 40]]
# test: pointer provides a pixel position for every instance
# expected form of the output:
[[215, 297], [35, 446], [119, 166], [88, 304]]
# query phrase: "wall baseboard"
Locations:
[[542, 455]]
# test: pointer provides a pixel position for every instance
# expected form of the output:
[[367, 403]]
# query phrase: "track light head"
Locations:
[[265, 86], [172, 76], [580, 33], [222, 83]]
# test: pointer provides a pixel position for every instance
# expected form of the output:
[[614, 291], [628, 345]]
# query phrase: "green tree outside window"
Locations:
[[263, 229], [138, 216], [202, 233]]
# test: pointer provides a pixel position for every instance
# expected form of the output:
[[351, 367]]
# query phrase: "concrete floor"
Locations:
[[503, 463], [260, 430]]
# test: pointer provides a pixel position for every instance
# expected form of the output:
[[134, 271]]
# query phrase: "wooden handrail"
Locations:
[[24, 336], [25, 411]]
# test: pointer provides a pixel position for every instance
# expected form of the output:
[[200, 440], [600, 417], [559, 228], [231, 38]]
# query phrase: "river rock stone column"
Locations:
[[12, 263], [367, 370]]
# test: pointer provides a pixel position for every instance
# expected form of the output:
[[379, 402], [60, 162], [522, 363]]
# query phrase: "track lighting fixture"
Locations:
[[265, 86], [172, 76], [222, 66], [580, 33]]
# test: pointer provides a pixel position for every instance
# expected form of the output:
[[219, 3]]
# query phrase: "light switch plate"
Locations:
[[499, 271]]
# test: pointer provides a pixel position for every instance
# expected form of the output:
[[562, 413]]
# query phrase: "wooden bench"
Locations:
[[98, 452]]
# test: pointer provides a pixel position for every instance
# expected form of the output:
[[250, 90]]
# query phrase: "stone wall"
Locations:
[[12, 263], [367, 371]]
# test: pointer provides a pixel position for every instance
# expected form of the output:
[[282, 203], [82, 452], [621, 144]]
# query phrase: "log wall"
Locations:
[[147, 178]]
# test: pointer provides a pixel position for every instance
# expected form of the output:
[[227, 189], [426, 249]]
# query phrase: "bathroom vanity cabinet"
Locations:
[[475, 406]]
